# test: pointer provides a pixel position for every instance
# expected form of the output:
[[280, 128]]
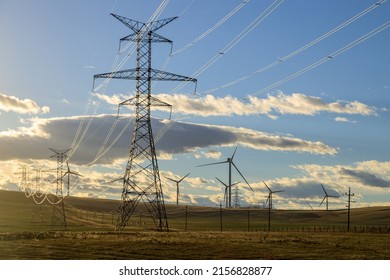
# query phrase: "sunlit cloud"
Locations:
[[93, 146], [21, 106], [282, 104]]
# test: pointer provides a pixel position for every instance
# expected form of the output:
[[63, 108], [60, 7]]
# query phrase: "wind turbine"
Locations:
[[230, 162], [68, 172], [177, 186], [225, 197], [270, 204], [326, 197]]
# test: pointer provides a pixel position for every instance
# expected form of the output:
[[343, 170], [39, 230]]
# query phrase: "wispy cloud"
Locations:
[[343, 119], [21, 106], [282, 104]]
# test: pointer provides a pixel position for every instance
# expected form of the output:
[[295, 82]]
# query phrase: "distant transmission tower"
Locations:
[[37, 193], [141, 180], [236, 197], [58, 216], [23, 179]]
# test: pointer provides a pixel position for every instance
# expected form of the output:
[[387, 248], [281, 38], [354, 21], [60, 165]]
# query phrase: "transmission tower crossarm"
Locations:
[[137, 26], [155, 38], [59, 152], [141, 74]]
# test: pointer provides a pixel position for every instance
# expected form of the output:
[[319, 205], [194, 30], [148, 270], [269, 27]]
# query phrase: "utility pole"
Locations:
[[349, 205], [141, 181], [220, 215], [58, 204]]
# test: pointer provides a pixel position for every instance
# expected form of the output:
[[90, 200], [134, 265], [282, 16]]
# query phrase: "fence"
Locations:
[[188, 218]]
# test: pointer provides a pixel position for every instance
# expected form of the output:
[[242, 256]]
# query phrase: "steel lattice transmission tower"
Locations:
[[58, 216], [141, 180]]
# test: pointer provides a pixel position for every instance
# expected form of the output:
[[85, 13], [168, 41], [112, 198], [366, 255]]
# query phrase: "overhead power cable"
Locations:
[[308, 45], [325, 59], [218, 24], [235, 41]]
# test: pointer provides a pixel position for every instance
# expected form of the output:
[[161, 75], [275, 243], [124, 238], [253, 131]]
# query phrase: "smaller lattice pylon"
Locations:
[[58, 216], [37, 207]]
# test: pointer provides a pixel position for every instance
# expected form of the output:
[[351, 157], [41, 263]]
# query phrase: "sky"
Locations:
[[302, 87]]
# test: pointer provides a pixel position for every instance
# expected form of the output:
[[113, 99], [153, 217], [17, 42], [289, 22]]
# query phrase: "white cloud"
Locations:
[[21, 106], [342, 119], [208, 154], [283, 104]]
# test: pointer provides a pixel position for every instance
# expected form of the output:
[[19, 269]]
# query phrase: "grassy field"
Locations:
[[26, 233]]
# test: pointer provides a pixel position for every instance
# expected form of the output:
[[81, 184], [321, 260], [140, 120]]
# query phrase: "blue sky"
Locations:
[[327, 125]]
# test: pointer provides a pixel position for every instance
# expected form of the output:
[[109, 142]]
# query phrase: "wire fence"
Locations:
[[222, 219]]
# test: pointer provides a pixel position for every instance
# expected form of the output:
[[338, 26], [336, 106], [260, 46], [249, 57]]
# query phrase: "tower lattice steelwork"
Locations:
[[141, 181], [58, 216]]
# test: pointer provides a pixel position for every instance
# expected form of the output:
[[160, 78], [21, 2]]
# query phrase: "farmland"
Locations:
[[196, 233]]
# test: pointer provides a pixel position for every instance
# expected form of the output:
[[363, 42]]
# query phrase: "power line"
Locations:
[[235, 41], [326, 58], [214, 27], [305, 47]]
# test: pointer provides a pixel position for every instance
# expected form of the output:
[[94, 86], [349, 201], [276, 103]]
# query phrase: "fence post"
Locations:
[[220, 214], [186, 217], [249, 225]]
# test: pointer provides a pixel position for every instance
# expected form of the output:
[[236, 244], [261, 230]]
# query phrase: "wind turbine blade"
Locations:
[[266, 202], [267, 186], [309, 204], [242, 176], [171, 179], [75, 173], [184, 177], [324, 190], [234, 152], [63, 175], [235, 184], [212, 163], [222, 182], [322, 201], [278, 191]]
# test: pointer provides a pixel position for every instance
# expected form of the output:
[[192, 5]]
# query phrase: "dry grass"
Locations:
[[193, 245]]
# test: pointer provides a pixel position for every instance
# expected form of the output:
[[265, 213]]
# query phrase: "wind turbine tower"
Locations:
[[141, 180], [177, 186], [230, 163], [69, 172], [269, 199]]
